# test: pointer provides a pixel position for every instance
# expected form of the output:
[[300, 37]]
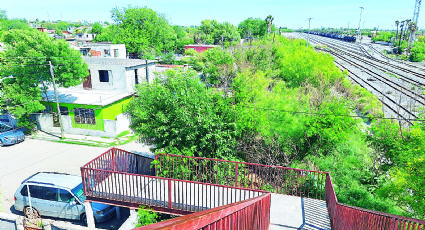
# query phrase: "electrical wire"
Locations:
[[333, 114]]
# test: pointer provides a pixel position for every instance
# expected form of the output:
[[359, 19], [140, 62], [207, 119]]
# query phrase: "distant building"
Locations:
[[199, 48], [84, 37], [42, 29], [101, 49]]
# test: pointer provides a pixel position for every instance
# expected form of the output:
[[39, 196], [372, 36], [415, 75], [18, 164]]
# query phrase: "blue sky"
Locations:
[[289, 13]]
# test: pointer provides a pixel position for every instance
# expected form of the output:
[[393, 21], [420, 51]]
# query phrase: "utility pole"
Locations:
[[415, 20], [308, 35], [361, 10], [57, 99]]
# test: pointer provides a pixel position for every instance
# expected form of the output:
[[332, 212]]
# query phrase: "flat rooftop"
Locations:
[[85, 97]]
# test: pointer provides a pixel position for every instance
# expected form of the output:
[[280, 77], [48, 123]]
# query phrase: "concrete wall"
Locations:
[[141, 75], [111, 128], [117, 78], [122, 123]]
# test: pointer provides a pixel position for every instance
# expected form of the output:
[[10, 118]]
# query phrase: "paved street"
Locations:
[[20, 161]]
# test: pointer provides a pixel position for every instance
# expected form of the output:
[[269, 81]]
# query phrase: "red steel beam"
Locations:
[[222, 215]]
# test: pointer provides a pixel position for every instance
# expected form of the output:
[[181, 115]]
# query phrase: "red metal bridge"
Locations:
[[219, 194]]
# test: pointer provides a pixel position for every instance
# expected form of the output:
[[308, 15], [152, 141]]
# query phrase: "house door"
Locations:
[[87, 83]]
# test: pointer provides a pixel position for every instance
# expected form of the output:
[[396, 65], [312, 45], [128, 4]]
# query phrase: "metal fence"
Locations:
[[352, 218], [249, 214], [289, 181], [115, 178], [183, 185], [122, 161]]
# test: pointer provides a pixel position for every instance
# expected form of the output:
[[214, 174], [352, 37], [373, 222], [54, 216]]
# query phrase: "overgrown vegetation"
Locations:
[[146, 217], [281, 103]]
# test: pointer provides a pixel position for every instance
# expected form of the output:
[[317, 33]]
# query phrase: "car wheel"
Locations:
[[31, 212], [83, 219], [1, 143]]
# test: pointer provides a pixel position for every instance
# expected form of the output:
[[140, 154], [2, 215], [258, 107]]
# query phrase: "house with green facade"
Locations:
[[96, 106]]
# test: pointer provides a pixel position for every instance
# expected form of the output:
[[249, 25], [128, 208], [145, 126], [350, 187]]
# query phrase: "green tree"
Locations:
[[96, 28], [142, 30], [181, 112], [214, 32], [7, 25], [184, 37], [3, 15], [252, 27], [26, 58], [217, 66], [269, 20]]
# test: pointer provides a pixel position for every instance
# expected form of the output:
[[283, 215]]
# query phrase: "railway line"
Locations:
[[368, 59], [381, 76]]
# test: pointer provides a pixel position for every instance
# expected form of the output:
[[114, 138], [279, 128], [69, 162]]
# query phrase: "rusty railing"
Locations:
[[183, 185], [113, 178], [252, 214], [283, 180], [352, 218]]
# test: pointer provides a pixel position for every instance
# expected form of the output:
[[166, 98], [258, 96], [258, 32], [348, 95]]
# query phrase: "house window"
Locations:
[[48, 109], [107, 52], [85, 116], [103, 75], [64, 110], [115, 52]]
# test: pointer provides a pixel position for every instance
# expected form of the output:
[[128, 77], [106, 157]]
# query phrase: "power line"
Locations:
[[335, 115], [17, 57]]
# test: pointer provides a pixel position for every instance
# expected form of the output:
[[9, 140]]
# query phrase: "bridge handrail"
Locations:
[[348, 217], [277, 179], [341, 216], [239, 162], [256, 216]]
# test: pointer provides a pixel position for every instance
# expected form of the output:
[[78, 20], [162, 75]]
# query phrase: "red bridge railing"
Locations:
[[110, 178], [352, 218], [289, 181], [180, 185], [249, 214]]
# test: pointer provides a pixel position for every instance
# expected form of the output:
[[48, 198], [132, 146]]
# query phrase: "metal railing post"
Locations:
[[113, 159], [236, 175], [169, 194]]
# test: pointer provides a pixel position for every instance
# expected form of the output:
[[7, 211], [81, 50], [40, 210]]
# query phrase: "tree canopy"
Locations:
[[182, 112], [281, 103], [252, 27], [142, 30], [214, 32], [26, 58]]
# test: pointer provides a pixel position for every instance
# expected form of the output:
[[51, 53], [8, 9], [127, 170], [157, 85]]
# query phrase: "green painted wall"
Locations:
[[108, 112]]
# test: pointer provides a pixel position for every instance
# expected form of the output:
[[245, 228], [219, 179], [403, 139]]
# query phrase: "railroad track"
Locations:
[[360, 81], [395, 60], [370, 60], [357, 57]]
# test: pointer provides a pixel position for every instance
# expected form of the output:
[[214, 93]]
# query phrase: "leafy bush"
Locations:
[[181, 111], [146, 217], [418, 52]]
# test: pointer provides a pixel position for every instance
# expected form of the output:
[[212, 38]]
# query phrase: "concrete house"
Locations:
[[96, 106], [101, 49]]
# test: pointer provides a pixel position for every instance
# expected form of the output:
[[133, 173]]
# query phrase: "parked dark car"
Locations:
[[10, 135]]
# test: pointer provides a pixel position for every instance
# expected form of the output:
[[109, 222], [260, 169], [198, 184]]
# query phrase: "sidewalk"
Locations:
[[128, 142]]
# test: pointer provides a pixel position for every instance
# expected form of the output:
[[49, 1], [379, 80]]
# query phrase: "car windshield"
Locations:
[[78, 191], [4, 128]]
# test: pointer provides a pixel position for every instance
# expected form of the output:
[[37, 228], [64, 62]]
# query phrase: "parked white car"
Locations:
[[58, 195]]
